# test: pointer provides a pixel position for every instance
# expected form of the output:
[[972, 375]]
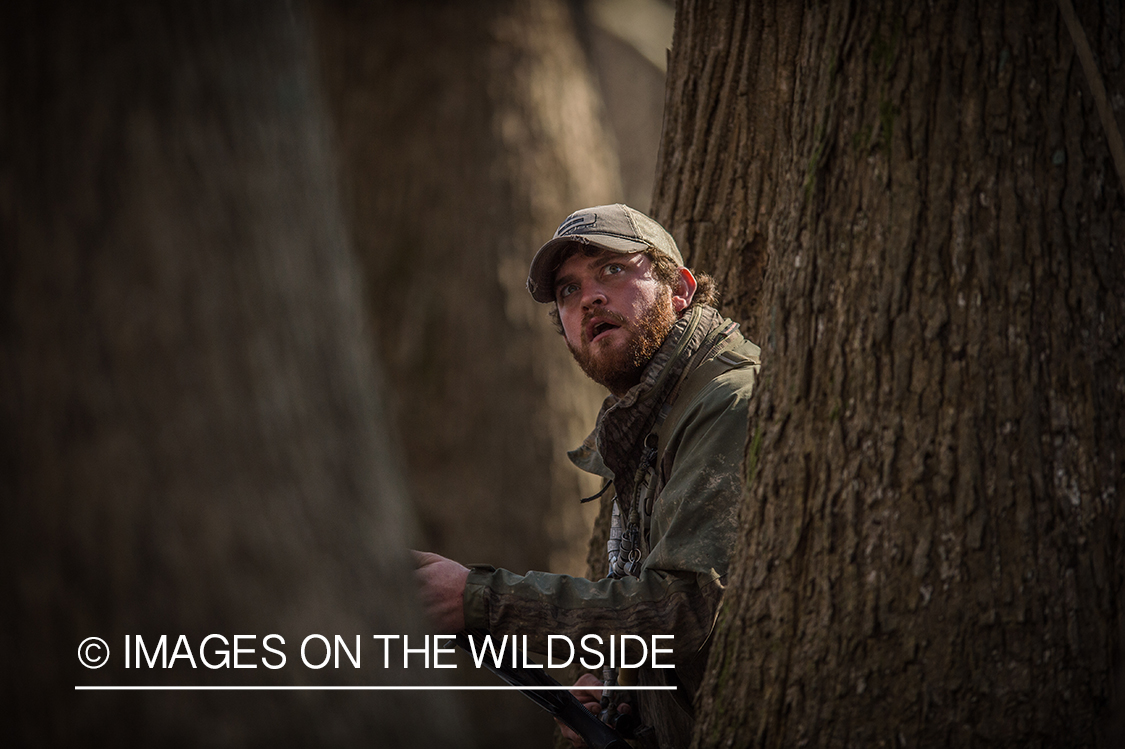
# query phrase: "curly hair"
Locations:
[[665, 270]]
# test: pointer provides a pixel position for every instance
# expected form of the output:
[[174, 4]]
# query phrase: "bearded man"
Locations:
[[669, 439]]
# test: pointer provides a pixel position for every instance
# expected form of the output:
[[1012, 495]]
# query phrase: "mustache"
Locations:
[[599, 316], [603, 316]]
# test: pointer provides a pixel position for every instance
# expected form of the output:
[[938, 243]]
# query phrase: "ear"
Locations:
[[683, 293]]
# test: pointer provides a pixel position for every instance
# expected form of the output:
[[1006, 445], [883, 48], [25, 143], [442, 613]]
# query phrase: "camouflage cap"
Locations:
[[617, 228]]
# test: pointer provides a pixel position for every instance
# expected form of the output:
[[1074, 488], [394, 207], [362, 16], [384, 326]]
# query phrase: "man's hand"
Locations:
[[441, 584], [589, 693]]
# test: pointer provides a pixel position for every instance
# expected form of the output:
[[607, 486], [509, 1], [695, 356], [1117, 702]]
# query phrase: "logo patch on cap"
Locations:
[[574, 224]]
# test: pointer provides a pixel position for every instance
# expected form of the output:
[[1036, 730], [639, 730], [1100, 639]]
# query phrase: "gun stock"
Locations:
[[559, 703]]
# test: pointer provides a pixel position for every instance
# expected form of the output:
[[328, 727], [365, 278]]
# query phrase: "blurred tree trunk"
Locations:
[[627, 43], [195, 439], [467, 132], [914, 208]]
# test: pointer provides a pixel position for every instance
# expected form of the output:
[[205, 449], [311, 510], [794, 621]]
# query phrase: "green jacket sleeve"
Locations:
[[692, 536]]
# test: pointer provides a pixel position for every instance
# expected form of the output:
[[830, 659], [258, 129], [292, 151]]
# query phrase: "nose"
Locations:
[[592, 295]]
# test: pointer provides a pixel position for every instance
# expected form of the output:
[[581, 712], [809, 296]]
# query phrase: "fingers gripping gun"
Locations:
[[558, 702]]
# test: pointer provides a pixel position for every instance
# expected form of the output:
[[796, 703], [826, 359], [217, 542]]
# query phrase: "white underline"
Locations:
[[356, 689]]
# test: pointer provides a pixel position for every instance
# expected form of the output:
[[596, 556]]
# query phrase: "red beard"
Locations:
[[620, 368]]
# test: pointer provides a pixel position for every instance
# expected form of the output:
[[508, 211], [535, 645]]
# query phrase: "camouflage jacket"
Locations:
[[688, 504]]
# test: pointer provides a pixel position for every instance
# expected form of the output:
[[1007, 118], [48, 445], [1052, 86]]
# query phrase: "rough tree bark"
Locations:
[[194, 437], [913, 208]]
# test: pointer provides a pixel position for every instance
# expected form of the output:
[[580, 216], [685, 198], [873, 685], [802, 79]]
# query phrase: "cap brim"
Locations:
[[541, 276]]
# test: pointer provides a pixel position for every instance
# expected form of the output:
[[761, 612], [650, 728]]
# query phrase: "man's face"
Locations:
[[615, 315]]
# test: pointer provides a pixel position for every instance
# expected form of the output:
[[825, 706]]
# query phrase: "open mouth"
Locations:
[[596, 328]]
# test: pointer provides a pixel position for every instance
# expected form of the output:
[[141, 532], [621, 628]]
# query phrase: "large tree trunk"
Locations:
[[467, 132], [194, 437], [931, 541]]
